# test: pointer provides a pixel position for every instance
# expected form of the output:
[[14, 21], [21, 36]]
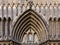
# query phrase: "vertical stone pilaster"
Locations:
[[42, 9], [6, 29], [12, 11], [16, 10], [56, 28], [2, 20], [52, 28], [19, 9], [1, 27], [37, 8]]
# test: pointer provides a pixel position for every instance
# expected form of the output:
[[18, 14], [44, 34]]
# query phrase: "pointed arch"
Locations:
[[25, 21], [50, 19]]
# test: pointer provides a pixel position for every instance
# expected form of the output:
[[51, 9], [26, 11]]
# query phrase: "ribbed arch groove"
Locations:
[[27, 20]]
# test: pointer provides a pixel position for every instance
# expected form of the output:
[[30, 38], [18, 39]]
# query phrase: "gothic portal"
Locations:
[[29, 22], [30, 28]]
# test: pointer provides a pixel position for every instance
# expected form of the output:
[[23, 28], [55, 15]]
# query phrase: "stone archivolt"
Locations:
[[30, 20]]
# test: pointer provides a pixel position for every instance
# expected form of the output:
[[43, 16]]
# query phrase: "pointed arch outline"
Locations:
[[19, 20]]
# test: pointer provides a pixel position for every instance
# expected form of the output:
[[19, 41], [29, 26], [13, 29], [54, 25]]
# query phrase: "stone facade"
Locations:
[[29, 22]]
